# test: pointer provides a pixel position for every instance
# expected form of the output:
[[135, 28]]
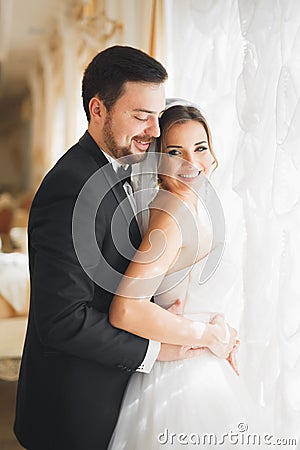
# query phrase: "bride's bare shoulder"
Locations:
[[166, 202]]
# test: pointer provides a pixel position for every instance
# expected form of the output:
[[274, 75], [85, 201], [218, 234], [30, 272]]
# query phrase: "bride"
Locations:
[[197, 401]]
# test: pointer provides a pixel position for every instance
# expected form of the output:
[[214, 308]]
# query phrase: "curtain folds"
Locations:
[[157, 31], [268, 107], [240, 61]]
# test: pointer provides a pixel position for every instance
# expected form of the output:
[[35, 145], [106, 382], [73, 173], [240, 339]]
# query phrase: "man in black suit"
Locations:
[[75, 365]]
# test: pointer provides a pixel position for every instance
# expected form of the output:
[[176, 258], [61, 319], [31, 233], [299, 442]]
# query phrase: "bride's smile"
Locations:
[[185, 158]]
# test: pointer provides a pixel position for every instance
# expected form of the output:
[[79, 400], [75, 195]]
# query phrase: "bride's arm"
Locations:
[[131, 309]]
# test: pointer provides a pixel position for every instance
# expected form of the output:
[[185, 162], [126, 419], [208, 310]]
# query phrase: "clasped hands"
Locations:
[[222, 340], [219, 337]]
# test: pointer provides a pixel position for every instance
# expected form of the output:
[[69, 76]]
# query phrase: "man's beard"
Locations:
[[116, 150]]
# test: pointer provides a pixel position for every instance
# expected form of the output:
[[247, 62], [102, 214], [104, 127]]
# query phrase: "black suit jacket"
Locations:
[[75, 365]]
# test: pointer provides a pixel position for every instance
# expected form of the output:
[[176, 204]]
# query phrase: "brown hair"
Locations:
[[107, 73]]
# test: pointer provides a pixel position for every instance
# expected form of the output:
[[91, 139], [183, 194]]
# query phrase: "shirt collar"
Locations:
[[115, 164]]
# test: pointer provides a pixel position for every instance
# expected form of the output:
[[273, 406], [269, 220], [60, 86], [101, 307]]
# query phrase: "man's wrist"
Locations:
[[150, 357]]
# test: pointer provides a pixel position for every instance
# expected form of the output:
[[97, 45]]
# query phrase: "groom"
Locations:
[[75, 365]]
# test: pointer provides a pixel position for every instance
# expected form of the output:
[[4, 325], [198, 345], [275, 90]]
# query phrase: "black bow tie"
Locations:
[[124, 174]]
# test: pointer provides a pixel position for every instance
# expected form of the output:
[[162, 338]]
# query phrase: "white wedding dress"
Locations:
[[179, 402]]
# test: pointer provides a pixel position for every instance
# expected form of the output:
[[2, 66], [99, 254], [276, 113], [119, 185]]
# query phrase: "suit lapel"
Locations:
[[88, 143]]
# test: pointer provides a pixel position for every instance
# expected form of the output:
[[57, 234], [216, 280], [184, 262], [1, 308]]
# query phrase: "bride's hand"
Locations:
[[220, 337], [232, 357]]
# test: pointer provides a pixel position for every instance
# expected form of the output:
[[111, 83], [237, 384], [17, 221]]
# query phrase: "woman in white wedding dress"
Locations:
[[199, 401]]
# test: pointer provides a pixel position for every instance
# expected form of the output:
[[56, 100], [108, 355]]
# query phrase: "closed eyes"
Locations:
[[142, 119]]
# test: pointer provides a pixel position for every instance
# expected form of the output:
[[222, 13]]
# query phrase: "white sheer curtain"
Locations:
[[239, 60]]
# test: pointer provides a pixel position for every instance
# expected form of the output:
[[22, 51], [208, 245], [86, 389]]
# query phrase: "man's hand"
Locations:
[[170, 352], [176, 308], [218, 336]]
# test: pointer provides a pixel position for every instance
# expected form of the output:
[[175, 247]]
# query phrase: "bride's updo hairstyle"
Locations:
[[180, 114]]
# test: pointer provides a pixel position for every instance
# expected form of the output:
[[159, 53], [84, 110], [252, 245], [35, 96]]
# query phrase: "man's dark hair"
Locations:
[[110, 69]]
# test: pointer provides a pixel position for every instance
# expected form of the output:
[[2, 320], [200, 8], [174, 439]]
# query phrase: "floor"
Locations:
[[7, 407]]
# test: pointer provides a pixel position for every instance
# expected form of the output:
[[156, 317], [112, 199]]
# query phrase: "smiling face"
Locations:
[[132, 123], [187, 156]]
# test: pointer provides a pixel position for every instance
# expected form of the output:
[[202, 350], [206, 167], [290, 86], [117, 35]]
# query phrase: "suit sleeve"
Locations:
[[62, 294]]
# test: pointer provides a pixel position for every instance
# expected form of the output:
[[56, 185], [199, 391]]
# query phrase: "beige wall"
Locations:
[[36, 131], [14, 147]]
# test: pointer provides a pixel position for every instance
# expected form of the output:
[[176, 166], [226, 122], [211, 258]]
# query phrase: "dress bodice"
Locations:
[[197, 297], [205, 286]]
